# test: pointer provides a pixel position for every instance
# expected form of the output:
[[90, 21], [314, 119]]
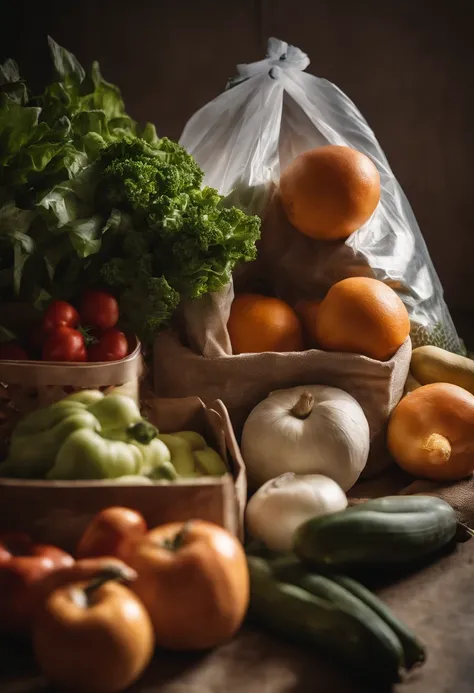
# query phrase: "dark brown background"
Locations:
[[406, 63]]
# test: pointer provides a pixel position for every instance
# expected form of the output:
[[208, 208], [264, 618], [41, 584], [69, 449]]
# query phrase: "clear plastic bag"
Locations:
[[274, 111]]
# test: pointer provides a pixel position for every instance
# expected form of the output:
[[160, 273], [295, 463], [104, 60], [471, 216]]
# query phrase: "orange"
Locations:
[[330, 192], [260, 323], [307, 311], [430, 432], [362, 316]]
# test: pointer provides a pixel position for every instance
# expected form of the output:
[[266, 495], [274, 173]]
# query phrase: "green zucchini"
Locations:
[[385, 531], [323, 586], [309, 617], [414, 651]]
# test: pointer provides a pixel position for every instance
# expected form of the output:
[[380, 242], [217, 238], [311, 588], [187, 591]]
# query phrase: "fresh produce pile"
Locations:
[[67, 334], [430, 430], [88, 198], [104, 229], [334, 613], [92, 634], [67, 604], [89, 435], [358, 315], [311, 596], [326, 194]]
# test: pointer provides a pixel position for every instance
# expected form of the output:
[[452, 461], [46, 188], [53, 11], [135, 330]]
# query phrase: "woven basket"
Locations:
[[28, 385]]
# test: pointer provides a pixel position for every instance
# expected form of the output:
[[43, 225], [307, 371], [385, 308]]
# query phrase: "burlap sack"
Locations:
[[243, 381], [393, 481]]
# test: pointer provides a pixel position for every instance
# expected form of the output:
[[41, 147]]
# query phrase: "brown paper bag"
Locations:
[[289, 265], [242, 381]]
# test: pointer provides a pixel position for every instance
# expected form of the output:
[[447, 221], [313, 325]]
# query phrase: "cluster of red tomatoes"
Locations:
[[86, 333]]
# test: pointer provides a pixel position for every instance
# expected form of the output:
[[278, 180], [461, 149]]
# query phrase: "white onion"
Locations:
[[280, 506]]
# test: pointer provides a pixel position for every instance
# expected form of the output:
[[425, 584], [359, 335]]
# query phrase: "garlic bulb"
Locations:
[[280, 506], [313, 429]]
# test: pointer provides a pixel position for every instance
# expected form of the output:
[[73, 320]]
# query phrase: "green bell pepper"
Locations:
[[87, 435], [36, 439], [88, 455]]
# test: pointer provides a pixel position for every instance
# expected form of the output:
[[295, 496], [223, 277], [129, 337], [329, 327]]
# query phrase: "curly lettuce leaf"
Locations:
[[9, 72], [104, 97], [17, 128], [16, 245], [68, 68], [12, 87], [87, 198]]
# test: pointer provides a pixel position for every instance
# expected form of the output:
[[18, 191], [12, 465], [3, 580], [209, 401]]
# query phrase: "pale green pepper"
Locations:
[[155, 453], [134, 480], [191, 456], [32, 452], [209, 462], [86, 436], [181, 454], [195, 440], [88, 455]]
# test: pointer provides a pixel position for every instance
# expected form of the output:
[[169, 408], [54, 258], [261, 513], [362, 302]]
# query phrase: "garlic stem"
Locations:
[[304, 406]]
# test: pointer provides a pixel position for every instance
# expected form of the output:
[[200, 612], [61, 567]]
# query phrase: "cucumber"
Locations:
[[297, 614], [291, 570], [385, 531], [413, 650]]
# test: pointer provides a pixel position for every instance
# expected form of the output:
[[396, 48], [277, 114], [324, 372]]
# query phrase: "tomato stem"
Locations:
[[178, 540], [88, 337], [108, 573]]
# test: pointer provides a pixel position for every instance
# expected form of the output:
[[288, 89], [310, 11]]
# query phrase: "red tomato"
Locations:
[[112, 346], [99, 309], [64, 344], [60, 314], [12, 351]]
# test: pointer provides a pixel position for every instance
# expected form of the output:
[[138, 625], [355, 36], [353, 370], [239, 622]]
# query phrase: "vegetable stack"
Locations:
[[88, 198], [334, 613], [310, 595], [89, 435]]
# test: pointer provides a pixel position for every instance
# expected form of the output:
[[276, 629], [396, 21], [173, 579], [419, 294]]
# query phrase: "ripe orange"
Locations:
[[330, 192], [260, 323], [307, 311], [363, 316]]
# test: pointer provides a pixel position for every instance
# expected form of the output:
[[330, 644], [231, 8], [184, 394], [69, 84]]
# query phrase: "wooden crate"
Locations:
[[57, 512]]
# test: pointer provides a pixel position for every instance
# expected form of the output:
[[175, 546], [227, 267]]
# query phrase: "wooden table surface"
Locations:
[[438, 603]]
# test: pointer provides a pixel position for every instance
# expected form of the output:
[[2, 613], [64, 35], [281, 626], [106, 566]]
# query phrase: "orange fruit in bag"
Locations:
[[261, 323], [330, 192], [361, 315], [308, 311]]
